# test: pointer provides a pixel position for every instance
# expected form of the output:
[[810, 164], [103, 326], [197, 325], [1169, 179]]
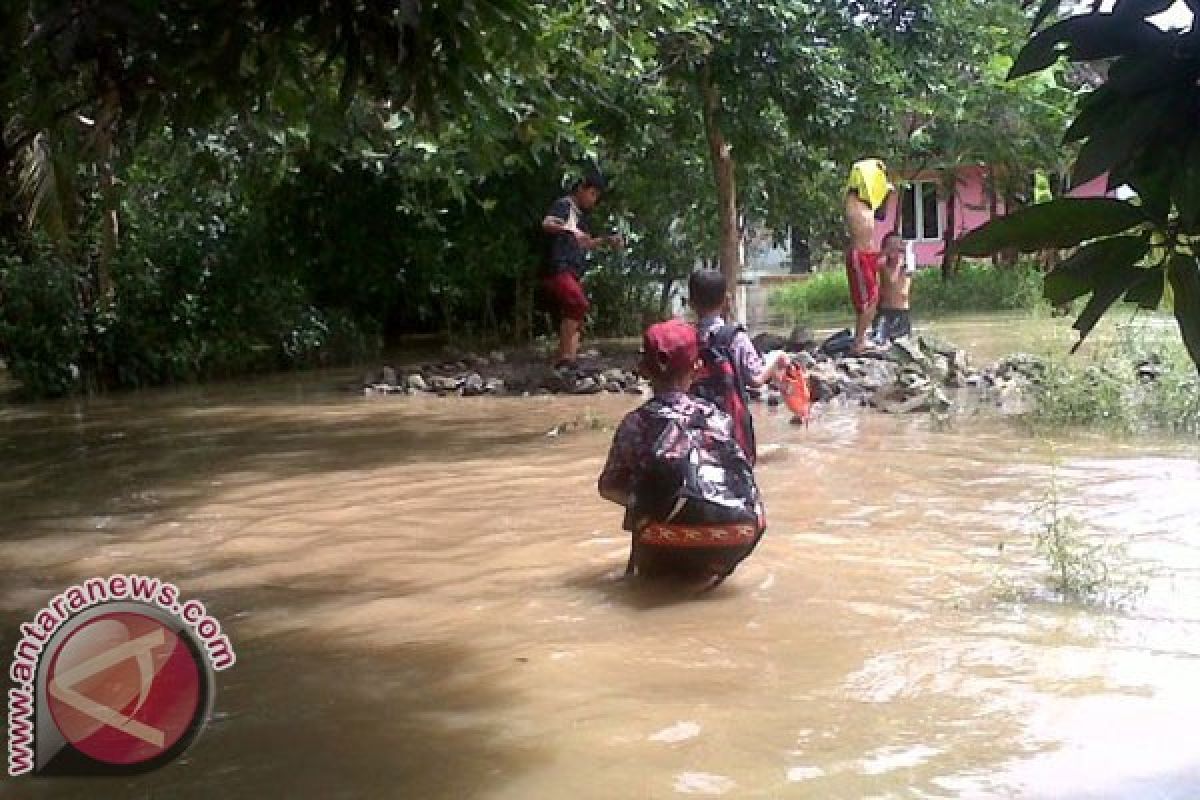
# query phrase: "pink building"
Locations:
[[925, 214]]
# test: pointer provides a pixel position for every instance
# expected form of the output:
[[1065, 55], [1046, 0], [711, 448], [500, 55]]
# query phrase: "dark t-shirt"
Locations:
[[564, 252]]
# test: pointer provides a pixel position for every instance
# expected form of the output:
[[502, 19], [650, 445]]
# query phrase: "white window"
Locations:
[[920, 212]]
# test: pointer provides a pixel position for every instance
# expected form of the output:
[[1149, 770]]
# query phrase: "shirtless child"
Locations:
[[866, 192], [893, 320]]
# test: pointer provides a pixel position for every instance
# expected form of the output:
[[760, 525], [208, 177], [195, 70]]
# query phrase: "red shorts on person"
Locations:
[[862, 270], [567, 295]]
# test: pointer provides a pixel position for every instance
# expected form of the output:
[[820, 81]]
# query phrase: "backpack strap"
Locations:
[[723, 336]]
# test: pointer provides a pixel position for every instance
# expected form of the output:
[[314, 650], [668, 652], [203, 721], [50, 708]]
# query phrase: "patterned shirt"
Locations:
[[744, 352], [565, 252], [633, 442]]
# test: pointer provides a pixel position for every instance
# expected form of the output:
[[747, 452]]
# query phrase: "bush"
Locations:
[[973, 288], [41, 331]]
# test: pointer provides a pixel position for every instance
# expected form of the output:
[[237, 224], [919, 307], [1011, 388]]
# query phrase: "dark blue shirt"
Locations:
[[565, 253]]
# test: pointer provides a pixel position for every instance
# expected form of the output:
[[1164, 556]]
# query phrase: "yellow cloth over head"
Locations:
[[869, 179]]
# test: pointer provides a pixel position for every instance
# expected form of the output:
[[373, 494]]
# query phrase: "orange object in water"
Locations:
[[794, 386]]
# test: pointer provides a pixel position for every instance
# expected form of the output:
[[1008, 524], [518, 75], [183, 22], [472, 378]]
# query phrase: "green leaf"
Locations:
[[1184, 275], [1114, 281], [1148, 292], [1186, 188], [1082, 272], [1086, 37], [1111, 144], [1095, 108], [1064, 222]]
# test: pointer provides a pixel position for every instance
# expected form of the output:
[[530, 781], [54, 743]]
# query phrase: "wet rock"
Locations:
[[821, 389], [417, 382], [443, 383], [387, 375], [473, 385], [801, 340], [805, 359], [766, 342], [586, 386]]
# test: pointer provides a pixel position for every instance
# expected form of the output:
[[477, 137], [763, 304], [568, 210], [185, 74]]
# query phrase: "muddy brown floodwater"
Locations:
[[425, 602]]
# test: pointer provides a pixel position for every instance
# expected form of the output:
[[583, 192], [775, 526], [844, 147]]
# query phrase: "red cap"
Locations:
[[669, 349]]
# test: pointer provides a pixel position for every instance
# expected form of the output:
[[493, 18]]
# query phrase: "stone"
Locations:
[[586, 386], [388, 376], [497, 356], [766, 342], [416, 381], [473, 385], [805, 359], [614, 376], [494, 386], [801, 340], [443, 383]]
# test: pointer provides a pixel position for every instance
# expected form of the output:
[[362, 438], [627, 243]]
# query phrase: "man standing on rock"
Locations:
[[567, 225], [866, 192]]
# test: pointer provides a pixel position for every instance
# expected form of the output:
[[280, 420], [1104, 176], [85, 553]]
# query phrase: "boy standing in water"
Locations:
[[708, 295]]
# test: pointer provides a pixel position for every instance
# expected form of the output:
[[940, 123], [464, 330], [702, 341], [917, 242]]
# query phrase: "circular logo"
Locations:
[[126, 688]]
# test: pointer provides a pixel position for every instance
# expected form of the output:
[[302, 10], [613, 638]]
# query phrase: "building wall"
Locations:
[[971, 209]]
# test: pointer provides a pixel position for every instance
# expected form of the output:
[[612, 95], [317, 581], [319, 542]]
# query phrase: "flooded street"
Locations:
[[425, 600]]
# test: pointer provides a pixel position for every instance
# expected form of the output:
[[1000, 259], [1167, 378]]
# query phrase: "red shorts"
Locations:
[[862, 269], [567, 295]]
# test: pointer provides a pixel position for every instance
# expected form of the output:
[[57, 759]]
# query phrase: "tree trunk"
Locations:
[[110, 200], [721, 153], [949, 257], [993, 206]]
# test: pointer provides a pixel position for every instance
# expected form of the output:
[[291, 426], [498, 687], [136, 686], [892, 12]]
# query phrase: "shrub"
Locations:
[[973, 288], [41, 331]]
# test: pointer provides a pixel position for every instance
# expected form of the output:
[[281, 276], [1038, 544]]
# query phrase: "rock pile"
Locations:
[[917, 374], [500, 373]]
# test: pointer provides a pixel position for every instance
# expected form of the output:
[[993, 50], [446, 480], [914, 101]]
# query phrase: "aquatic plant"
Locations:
[[1138, 382]]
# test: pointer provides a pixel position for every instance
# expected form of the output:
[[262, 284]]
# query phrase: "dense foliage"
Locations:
[[206, 188]]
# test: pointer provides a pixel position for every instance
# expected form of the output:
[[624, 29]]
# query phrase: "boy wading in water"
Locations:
[[568, 226], [680, 523], [866, 192], [708, 295]]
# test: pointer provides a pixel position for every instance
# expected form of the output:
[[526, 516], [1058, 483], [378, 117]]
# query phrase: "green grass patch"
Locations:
[[974, 288]]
